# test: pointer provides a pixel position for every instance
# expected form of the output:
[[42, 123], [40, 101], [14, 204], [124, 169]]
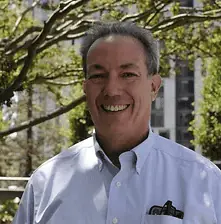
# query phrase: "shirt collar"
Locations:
[[99, 152], [141, 151]]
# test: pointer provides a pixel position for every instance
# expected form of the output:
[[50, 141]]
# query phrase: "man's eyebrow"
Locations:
[[129, 65], [123, 66], [96, 66]]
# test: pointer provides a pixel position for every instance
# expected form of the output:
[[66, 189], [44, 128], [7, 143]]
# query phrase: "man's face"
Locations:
[[118, 89]]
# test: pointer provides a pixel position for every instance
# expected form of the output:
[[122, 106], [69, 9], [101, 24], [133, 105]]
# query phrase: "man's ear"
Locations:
[[156, 83]]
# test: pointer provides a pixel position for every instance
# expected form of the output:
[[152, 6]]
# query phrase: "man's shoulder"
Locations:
[[184, 155], [65, 156], [175, 149]]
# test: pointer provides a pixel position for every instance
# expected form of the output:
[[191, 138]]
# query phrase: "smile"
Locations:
[[114, 108]]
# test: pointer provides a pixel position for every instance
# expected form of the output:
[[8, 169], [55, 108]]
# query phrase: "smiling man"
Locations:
[[119, 90], [124, 173]]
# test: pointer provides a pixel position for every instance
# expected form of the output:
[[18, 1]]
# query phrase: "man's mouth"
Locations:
[[114, 108]]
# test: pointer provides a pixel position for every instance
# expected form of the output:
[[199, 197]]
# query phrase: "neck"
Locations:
[[113, 145]]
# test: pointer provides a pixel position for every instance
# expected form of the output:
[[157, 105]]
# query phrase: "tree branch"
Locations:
[[144, 15], [63, 83], [158, 10], [84, 14], [65, 8], [73, 33], [34, 4], [77, 31], [51, 76], [36, 121], [24, 46], [14, 42], [180, 20]]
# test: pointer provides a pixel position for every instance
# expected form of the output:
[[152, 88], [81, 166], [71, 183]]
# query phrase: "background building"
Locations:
[[178, 98]]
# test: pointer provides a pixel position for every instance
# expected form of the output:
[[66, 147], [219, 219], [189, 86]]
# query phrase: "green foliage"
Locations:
[[79, 120], [10, 11], [79, 128], [8, 210], [55, 74], [207, 124], [3, 123]]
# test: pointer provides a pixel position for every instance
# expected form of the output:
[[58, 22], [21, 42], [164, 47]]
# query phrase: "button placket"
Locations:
[[114, 214]]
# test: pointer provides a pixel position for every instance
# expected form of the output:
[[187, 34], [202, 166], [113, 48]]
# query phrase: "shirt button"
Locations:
[[118, 184], [115, 221]]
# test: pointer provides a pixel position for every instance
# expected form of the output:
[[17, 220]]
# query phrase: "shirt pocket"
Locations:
[[161, 219]]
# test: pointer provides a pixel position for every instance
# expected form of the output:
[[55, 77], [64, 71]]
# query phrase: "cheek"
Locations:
[[91, 95], [142, 102]]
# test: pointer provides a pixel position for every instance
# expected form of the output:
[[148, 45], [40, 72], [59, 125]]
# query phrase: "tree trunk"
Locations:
[[29, 135]]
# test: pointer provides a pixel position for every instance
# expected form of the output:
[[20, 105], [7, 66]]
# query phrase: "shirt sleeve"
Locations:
[[217, 198], [25, 212]]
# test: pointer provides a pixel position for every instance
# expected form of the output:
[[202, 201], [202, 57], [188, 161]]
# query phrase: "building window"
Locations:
[[183, 119], [186, 3], [184, 103], [185, 87]]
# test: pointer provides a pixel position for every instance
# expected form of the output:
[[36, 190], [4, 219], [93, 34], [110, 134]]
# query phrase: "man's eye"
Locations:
[[129, 74], [96, 76]]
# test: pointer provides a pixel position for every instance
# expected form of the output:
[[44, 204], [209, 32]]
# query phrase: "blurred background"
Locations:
[[42, 106]]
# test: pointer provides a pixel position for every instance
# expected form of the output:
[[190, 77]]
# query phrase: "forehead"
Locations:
[[116, 49]]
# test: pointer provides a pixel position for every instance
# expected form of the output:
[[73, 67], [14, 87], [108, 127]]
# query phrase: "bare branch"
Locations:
[[73, 21], [51, 75], [72, 34], [34, 4], [63, 83], [29, 31], [84, 14], [24, 46], [36, 121], [65, 8], [180, 20], [76, 32], [64, 25], [158, 10], [144, 15]]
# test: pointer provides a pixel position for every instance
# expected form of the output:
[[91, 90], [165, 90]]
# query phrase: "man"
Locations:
[[124, 173]]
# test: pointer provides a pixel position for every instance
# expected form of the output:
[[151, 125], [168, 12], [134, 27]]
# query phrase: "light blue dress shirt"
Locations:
[[82, 186]]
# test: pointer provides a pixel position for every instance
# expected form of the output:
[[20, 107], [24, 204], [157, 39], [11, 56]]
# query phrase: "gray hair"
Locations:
[[124, 29]]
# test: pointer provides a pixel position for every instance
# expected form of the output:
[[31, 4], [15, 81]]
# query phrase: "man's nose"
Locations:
[[112, 86]]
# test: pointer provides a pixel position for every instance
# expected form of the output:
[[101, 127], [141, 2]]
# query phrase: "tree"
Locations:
[[207, 127], [35, 58], [24, 46]]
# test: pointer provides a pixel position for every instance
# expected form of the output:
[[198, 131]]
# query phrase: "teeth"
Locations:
[[114, 108]]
